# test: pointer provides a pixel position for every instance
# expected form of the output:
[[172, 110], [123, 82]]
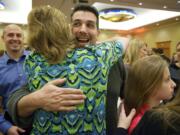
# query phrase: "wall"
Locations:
[[1, 42], [157, 34], [164, 33], [169, 32]]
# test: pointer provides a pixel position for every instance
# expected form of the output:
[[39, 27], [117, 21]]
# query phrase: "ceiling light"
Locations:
[[178, 1], [111, 0], [140, 3], [165, 6], [117, 14], [2, 6], [142, 17]]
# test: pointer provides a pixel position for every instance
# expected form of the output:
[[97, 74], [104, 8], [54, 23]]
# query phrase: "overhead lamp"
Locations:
[[140, 3], [117, 14], [165, 6], [2, 5]]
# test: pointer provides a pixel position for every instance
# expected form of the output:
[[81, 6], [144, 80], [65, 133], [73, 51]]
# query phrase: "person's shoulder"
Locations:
[[148, 125], [152, 116], [3, 61], [35, 59], [27, 52], [34, 56]]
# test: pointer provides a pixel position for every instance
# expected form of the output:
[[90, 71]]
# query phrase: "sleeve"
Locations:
[[121, 131], [115, 52], [4, 125], [12, 107], [110, 51]]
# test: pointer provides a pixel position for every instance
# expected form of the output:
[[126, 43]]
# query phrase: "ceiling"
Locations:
[[171, 5], [67, 5]]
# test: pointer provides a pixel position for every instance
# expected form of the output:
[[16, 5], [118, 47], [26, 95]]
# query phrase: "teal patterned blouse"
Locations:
[[84, 68]]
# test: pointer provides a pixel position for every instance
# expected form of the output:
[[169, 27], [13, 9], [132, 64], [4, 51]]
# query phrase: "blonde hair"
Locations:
[[49, 33], [144, 76], [132, 52], [178, 44]]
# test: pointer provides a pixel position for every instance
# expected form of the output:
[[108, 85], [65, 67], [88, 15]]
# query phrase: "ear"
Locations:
[[2, 37], [98, 32]]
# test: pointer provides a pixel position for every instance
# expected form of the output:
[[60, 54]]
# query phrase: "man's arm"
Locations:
[[12, 107], [50, 98]]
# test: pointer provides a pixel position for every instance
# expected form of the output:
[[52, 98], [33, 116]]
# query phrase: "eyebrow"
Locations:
[[76, 20]]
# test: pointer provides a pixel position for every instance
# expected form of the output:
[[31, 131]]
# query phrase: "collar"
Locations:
[[144, 108], [7, 59]]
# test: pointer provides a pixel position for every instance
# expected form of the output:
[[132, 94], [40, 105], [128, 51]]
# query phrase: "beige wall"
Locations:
[[1, 42], [165, 33], [157, 34]]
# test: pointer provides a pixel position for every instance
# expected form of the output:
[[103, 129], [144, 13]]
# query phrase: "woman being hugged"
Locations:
[[55, 55]]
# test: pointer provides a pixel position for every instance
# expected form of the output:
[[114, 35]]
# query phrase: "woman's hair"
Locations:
[[49, 33], [144, 76], [170, 112], [132, 52], [177, 45]]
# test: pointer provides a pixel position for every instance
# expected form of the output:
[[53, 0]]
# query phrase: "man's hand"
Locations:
[[51, 98], [14, 130], [54, 98]]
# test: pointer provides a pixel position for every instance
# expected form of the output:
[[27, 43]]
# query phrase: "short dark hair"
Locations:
[[88, 8]]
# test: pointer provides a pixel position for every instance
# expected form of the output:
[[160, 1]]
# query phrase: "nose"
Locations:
[[173, 84], [83, 28]]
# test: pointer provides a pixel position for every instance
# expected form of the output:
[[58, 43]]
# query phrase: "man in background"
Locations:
[[12, 75]]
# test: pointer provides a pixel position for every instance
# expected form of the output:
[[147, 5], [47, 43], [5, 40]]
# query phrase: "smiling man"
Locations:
[[85, 25], [11, 72]]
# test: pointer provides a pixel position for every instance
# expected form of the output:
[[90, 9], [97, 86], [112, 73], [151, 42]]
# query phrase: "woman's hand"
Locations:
[[125, 121]]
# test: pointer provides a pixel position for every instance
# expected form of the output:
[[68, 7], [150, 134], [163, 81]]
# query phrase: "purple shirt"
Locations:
[[12, 77]]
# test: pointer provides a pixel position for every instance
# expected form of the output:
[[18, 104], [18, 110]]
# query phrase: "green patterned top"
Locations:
[[84, 68]]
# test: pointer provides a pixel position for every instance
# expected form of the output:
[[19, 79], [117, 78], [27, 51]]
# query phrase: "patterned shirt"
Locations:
[[84, 68]]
